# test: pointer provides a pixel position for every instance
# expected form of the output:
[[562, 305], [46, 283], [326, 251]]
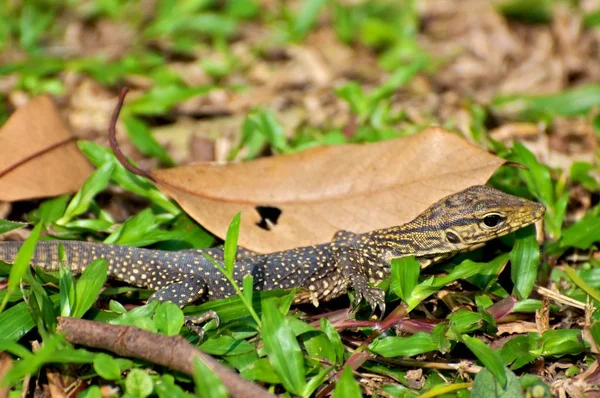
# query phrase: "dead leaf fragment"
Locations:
[[38, 156], [303, 199]]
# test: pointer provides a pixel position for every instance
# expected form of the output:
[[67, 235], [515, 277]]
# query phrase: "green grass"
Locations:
[[262, 336]]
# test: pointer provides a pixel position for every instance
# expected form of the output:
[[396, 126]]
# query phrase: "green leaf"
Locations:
[[306, 18], [524, 260], [581, 234], [96, 182], [107, 367], [100, 155], [392, 346], [231, 240], [7, 226], [334, 338], [518, 352], [560, 342], [347, 387], [66, 285], [405, 276], [90, 392], [21, 264], [208, 383], [89, 285], [52, 209], [168, 319], [138, 383], [248, 285], [282, 348], [465, 321], [226, 345], [490, 359], [140, 135], [575, 101], [486, 385]]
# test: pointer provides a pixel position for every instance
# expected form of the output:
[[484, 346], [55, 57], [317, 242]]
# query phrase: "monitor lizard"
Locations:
[[457, 223]]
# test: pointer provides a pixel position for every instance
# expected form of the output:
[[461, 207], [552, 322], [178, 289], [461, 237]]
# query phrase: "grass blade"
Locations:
[[282, 348]]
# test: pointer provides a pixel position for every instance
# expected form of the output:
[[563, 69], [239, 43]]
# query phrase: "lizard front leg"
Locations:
[[353, 267], [182, 291]]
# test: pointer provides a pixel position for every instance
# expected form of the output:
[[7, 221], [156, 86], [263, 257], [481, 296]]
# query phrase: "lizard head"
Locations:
[[464, 221], [469, 218]]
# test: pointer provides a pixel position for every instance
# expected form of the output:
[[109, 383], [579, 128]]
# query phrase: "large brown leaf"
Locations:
[[356, 187], [38, 155]]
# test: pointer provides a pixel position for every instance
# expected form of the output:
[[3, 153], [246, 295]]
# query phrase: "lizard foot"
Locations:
[[195, 323], [375, 297]]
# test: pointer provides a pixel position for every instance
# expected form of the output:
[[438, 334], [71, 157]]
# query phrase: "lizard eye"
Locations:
[[492, 220], [452, 237]]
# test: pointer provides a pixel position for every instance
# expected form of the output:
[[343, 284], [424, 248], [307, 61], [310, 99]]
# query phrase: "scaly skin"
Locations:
[[457, 223]]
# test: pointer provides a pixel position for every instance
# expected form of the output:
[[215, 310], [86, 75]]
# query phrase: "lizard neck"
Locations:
[[414, 238]]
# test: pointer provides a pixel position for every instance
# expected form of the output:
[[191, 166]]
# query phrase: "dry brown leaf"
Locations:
[[355, 187], [38, 155]]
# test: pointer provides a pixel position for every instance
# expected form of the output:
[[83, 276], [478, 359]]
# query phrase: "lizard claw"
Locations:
[[194, 323], [375, 297]]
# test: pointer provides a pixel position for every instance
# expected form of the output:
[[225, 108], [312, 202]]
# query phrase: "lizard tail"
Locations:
[[78, 254]]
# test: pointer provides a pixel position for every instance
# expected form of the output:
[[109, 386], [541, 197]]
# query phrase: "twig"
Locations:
[[173, 352], [414, 363], [112, 139], [559, 298]]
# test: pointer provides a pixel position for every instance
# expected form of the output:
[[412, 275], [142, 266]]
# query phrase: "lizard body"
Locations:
[[457, 223]]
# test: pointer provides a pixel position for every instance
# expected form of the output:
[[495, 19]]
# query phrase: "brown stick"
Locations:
[[173, 352], [112, 139]]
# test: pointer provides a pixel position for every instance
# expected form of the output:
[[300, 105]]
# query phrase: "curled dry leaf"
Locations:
[[38, 155], [303, 199]]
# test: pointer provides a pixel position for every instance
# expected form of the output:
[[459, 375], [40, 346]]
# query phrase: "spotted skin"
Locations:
[[455, 224]]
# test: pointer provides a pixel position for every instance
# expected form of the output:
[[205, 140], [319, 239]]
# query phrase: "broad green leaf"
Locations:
[[166, 388], [392, 346], [405, 276], [317, 346], [261, 370], [561, 342], [347, 387], [465, 321], [226, 345], [282, 348], [138, 383], [88, 286], [208, 383], [168, 319], [581, 234], [107, 367], [490, 359], [524, 260], [90, 392], [486, 385], [518, 352]]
